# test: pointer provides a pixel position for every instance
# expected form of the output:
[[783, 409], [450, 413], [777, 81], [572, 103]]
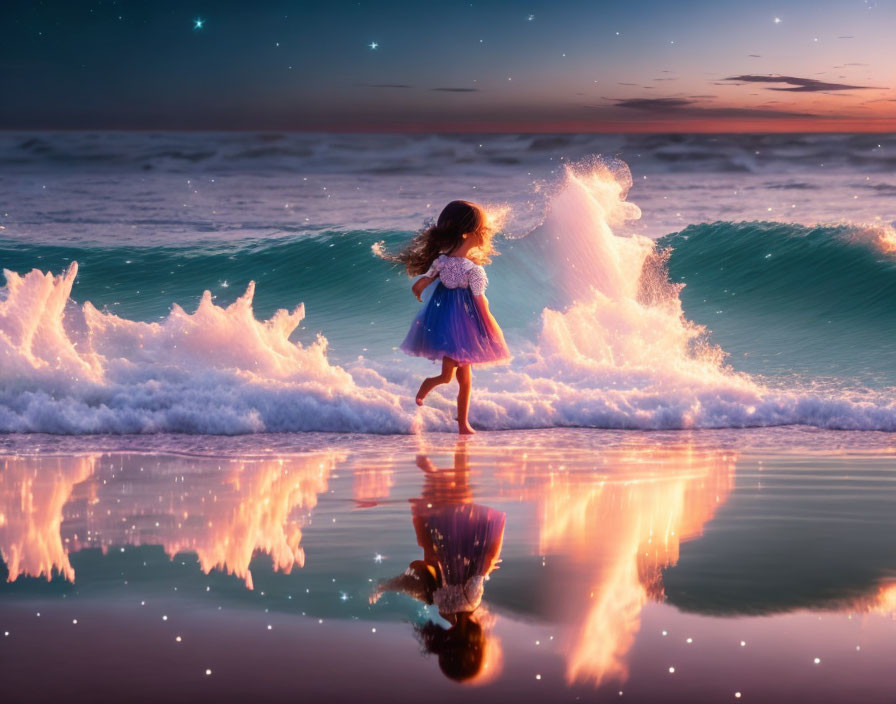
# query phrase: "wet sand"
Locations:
[[680, 566]]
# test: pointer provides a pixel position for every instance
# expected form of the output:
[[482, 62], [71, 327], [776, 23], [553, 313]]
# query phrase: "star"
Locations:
[[198, 23], [777, 20], [373, 45], [530, 18]]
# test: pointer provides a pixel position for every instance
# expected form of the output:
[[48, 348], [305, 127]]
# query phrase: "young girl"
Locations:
[[455, 326], [461, 543]]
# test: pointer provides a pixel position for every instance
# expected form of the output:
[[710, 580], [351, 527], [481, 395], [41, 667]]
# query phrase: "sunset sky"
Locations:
[[822, 65]]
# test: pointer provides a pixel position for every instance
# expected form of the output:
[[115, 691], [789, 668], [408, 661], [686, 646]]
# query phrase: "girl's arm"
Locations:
[[482, 302], [493, 557], [478, 282], [420, 285], [418, 582]]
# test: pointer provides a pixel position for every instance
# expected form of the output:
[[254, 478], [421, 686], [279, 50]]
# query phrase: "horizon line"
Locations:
[[454, 129]]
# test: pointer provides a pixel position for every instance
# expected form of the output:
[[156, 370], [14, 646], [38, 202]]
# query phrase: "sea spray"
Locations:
[[617, 351]]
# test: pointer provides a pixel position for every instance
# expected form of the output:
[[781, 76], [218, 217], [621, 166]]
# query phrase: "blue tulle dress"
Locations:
[[464, 542], [453, 323]]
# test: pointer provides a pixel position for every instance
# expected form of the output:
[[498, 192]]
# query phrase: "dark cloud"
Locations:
[[456, 90], [792, 84], [684, 107], [654, 103], [755, 56], [386, 85]]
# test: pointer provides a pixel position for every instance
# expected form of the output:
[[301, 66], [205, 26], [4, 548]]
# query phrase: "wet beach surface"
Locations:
[[679, 566]]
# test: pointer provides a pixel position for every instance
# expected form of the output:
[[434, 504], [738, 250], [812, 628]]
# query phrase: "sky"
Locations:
[[444, 66]]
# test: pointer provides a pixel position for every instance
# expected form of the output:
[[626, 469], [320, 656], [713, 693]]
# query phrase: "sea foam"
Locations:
[[613, 349], [70, 369]]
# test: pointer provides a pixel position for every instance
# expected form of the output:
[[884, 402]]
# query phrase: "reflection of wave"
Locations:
[[810, 532], [373, 480], [33, 493], [620, 526], [223, 511]]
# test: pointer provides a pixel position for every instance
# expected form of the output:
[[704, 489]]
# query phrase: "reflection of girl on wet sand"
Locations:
[[461, 544]]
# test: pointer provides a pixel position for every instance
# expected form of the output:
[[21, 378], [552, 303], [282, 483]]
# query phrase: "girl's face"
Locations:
[[478, 235]]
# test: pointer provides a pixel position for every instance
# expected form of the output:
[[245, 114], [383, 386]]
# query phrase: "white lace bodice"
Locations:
[[459, 272], [455, 598]]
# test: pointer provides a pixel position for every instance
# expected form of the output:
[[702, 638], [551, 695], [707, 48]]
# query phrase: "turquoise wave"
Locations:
[[356, 299], [781, 299], [359, 301], [784, 299]]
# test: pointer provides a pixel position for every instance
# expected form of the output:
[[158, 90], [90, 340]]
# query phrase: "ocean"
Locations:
[[228, 283], [210, 454]]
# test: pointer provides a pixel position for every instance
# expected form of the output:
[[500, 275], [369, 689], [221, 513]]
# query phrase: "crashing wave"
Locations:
[[613, 349]]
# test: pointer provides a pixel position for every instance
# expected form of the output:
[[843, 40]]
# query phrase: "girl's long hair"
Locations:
[[457, 219], [468, 652]]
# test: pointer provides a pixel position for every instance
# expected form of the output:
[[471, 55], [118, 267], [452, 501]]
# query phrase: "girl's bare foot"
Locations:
[[448, 368], [465, 429]]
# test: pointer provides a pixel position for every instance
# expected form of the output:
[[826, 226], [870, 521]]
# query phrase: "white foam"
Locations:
[[217, 370], [614, 352]]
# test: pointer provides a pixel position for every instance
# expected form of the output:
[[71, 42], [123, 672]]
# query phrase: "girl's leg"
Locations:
[[448, 367], [465, 386]]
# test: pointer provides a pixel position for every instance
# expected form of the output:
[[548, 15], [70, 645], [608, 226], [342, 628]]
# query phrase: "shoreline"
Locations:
[[804, 439]]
